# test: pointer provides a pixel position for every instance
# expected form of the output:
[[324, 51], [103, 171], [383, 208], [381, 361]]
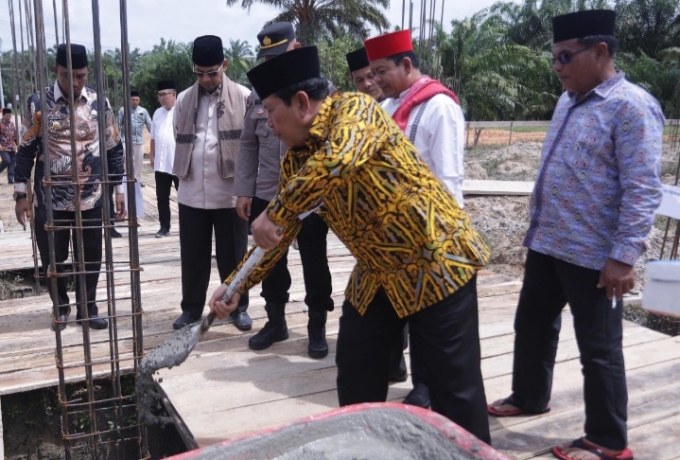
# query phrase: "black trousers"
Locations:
[[444, 340], [92, 248], [397, 354], [164, 182], [195, 240], [549, 284], [317, 275], [8, 161]]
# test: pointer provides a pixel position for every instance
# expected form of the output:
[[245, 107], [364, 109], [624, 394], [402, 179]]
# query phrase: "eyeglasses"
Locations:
[[211, 74], [565, 57], [165, 93]]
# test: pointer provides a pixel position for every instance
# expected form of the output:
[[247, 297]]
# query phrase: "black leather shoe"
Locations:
[[163, 232], [399, 373], [63, 317], [95, 322], [185, 319], [98, 323], [316, 331], [115, 233], [419, 396], [242, 320]]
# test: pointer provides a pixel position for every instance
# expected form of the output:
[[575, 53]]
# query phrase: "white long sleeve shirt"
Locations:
[[440, 138], [163, 135]]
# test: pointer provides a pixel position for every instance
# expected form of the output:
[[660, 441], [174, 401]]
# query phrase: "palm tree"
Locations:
[[241, 60], [313, 18], [168, 60], [648, 27], [530, 23], [495, 78]]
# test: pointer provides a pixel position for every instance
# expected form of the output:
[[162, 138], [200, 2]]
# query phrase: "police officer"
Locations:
[[256, 183]]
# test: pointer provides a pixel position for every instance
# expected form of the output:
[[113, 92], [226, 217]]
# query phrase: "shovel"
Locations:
[[174, 350]]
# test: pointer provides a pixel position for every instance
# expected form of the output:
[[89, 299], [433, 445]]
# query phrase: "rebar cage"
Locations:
[[99, 420]]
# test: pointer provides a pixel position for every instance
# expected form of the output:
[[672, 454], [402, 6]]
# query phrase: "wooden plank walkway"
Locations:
[[225, 390]]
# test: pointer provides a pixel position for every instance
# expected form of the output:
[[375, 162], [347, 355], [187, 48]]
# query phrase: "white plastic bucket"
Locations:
[[662, 289]]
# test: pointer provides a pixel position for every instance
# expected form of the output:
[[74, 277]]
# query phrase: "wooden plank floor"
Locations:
[[225, 390]]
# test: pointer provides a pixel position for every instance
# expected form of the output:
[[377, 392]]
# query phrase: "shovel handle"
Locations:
[[247, 268]]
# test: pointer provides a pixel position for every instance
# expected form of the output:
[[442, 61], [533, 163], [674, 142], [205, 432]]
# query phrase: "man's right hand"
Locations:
[[23, 210], [151, 159], [243, 207]]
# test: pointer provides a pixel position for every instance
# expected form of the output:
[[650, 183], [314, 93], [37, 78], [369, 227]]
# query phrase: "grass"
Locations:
[[528, 129]]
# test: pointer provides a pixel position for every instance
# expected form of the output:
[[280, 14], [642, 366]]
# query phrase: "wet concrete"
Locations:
[[374, 434], [172, 352]]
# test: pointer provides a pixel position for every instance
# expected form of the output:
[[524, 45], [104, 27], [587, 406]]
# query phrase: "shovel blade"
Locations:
[[174, 350]]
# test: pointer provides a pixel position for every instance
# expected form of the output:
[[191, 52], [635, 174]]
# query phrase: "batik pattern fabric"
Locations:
[[7, 136], [55, 112], [367, 181], [598, 181]]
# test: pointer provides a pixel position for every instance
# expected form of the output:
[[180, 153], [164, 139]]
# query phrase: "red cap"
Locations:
[[388, 45]]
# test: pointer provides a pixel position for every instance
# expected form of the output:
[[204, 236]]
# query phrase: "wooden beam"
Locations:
[[497, 187]]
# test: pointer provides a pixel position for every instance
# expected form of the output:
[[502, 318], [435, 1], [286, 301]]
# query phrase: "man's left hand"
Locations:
[[616, 276], [120, 206], [222, 309], [266, 233]]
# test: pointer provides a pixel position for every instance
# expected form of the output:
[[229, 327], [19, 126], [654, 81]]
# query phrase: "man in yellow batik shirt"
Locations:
[[417, 254]]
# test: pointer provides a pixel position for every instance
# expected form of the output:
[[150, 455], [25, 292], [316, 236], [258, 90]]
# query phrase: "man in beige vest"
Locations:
[[208, 123]]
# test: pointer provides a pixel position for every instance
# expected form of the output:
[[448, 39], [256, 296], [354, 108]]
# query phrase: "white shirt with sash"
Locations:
[[439, 129]]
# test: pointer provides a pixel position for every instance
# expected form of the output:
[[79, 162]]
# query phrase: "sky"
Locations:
[[184, 20]]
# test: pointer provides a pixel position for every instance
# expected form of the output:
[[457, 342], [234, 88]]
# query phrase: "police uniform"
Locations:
[[257, 176]]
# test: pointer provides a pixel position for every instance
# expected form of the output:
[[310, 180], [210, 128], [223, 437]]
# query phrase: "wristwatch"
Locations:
[[18, 196]]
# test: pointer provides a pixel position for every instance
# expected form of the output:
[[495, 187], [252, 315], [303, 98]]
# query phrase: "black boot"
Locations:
[[275, 330], [316, 329]]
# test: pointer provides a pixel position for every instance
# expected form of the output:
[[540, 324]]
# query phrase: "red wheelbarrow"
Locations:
[[380, 431]]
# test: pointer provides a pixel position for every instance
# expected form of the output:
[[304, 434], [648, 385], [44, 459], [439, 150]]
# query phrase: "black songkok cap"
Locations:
[[134, 93], [357, 59], [166, 84], [275, 38], [5, 111], [207, 51], [78, 56], [583, 24], [285, 70]]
